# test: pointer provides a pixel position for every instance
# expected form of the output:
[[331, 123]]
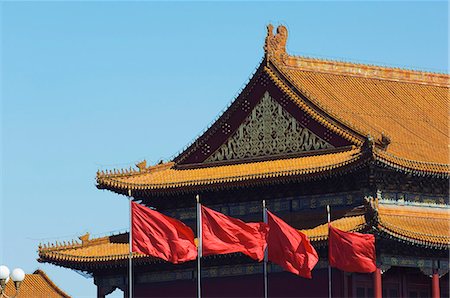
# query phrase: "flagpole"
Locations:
[[130, 258], [199, 247], [266, 251], [329, 267]]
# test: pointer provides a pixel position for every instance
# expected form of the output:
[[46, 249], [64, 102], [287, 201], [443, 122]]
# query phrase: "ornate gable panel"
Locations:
[[268, 130], [243, 130]]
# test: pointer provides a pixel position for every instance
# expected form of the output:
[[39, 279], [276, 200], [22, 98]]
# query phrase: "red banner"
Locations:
[[290, 248], [351, 252], [223, 234], [157, 235]]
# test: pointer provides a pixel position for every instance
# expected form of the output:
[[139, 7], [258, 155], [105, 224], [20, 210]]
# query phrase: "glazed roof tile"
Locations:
[[415, 142], [103, 249], [167, 176], [409, 107], [404, 111], [36, 285], [429, 226], [412, 114]]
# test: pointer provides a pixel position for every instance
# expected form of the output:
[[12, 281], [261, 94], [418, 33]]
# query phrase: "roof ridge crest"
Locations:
[[367, 70], [275, 51]]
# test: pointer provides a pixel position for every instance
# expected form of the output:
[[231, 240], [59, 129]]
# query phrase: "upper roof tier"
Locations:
[[409, 107], [307, 113]]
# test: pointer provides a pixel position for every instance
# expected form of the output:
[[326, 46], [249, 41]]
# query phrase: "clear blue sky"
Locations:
[[92, 85]]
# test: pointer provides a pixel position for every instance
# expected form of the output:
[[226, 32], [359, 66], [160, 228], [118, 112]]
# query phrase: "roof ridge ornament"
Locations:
[[385, 141], [275, 45], [142, 166], [371, 205], [84, 238]]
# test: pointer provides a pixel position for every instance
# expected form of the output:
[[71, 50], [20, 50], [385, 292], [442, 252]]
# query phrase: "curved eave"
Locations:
[[418, 168], [92, 263], [121, 183], [60, 256], [440, 242]]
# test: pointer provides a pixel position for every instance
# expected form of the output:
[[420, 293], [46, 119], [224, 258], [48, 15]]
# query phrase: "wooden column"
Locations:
[[100, 292], [377, 290], [435, 292]]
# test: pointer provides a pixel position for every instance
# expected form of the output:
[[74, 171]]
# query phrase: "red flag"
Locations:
[[290, 248], [161, 236], [350, 251], [222, 234]]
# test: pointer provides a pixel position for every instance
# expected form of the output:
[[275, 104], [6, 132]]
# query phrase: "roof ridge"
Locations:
[[275, 51], [74, 244], [356, 63], [368, 70], [41, 273], [142, 168]]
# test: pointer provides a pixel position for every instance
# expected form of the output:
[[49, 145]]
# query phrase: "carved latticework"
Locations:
[[268, 130]]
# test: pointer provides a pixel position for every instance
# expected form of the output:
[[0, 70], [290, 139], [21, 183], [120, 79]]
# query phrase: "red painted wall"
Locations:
[[281, 284], [397, 282]]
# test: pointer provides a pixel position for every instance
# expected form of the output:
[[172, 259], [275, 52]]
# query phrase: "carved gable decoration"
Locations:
[[268, 130]]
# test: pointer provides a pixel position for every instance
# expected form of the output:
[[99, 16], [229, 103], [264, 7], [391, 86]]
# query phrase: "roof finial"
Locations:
[[385, 140], [275, 45], [84, 238], [142, 165]]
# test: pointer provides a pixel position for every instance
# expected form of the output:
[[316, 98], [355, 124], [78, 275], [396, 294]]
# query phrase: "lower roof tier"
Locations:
[[426, 226]]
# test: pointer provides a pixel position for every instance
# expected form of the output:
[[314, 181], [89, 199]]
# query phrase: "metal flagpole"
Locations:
[[266, 251], [199, 247], [130, 264], [329, 267]]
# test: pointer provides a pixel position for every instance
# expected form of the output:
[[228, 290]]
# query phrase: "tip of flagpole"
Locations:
[[197, 197], [328, 208], [264, 203]]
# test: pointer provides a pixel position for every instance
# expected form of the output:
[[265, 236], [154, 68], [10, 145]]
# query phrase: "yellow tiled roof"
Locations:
[[404, 111], [347, 224], [413, 115], [165, 176], [427, 226], [103, 249], [415, 142], [421, 225], [408, 107], [36, 285]]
